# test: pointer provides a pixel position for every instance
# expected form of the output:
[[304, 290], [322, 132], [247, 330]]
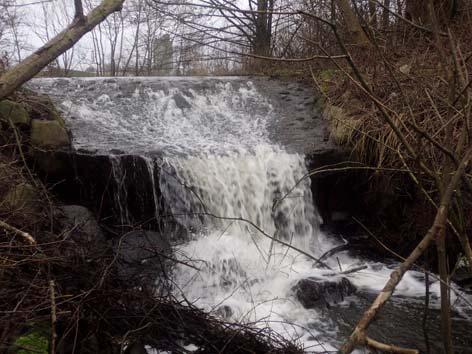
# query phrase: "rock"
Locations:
[[22, 197], [462, 275], [181, 102], [141, 257], [48, 134], [82, 223], [53, 164], [405, 69], [54, 115], [341, 125], [136, 348], [15, 111], [318, 293], [224, 312]]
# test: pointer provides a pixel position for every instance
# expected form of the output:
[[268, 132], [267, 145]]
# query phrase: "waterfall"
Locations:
[[259, 186], [210, 153], [243, 273], [121, 194]]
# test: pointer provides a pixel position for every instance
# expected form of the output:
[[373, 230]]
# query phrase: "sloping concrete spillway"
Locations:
[[205, 153], [133, 129]]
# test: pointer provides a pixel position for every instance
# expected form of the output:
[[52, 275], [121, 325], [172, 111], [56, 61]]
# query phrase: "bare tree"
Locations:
[[10, 29], [352, 23], [33, 64]]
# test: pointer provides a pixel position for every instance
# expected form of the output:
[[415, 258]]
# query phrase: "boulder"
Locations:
[[141, 257], [319, 293], [83, 226], [14, 111], [48, 134]]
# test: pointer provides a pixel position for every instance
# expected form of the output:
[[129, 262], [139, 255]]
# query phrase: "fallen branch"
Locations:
[[388, 347], [52, 347], [19, 232]]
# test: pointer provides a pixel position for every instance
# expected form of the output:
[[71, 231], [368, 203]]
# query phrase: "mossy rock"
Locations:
[[48, 134], [14, 111], [56, 116], [52, 112], [23, 197], [341, 126]]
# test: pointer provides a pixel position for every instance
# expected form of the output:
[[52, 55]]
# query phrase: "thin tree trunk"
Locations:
[[445, 301], [353, 25], [358, 336], [373, 14], [29, 67], [385, 15]]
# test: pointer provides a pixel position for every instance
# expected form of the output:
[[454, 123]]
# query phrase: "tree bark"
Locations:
[[29, 67], [418, 10], [353, 25], [263, 27], [385, 15]]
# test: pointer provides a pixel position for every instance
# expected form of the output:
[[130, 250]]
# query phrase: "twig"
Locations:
[[19, 232], [389, 347], [52, 346]]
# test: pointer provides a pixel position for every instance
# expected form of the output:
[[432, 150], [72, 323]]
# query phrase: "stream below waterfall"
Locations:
[[252, 228]]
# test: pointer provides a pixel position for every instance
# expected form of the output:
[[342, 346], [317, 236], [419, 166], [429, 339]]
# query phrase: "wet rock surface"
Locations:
[[82, 223], [319, 293], [141, 257]]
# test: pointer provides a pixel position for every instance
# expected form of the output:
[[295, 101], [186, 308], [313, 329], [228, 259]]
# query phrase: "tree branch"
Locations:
[[29, 67], [358, 335]]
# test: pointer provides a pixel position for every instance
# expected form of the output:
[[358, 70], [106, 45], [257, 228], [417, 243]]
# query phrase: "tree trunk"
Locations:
[[353, 26], [263, 28], [385, 15], [29, 67], [373, 14], [418, 10]]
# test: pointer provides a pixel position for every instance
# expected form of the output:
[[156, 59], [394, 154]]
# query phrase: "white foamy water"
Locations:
[[218, 166], [243, 274], [142, 116]]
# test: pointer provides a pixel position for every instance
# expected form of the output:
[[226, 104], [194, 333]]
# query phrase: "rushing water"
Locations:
[[241, 197]]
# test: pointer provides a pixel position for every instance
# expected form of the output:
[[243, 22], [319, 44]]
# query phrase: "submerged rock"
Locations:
[[317, 293]]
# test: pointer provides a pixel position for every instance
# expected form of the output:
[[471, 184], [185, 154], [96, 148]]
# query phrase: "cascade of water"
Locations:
[[254, 185], [121, 195], [151, 164], [227, 184]]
